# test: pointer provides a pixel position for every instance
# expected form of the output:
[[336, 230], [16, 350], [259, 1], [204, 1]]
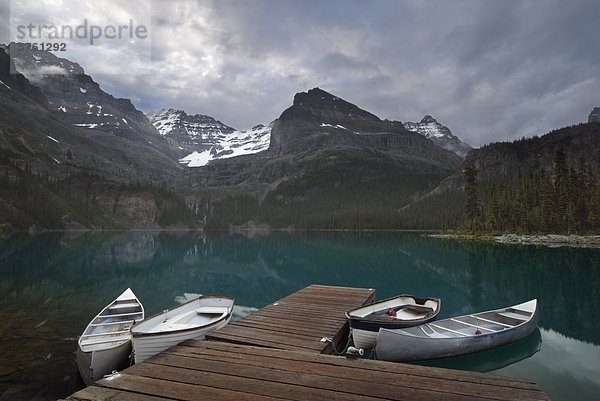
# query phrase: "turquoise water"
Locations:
[[51, 285]]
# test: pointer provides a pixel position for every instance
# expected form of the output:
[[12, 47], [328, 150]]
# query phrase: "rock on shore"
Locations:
[[549, 240]]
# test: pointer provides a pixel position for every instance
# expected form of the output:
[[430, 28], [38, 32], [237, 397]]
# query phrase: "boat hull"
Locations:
[[94, 365], [190, 320], [399, 346], [151, 344]]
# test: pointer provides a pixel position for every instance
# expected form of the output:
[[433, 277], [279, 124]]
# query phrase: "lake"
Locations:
[[51, 285]]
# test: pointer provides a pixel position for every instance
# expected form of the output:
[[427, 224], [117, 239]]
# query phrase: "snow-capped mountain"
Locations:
[[189, 132], [439, 134], [202, 138]]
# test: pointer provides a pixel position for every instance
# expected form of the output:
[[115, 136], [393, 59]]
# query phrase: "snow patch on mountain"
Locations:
[[237, 143], [197, 159], [333, 126], [202, 139]]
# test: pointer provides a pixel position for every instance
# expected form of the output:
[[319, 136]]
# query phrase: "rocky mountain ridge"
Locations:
[[76, 99], [201, 139], [441, 135], [594, 116], [318, 120]]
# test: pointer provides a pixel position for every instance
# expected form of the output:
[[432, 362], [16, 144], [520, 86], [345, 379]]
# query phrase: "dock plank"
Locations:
[[339, 372]]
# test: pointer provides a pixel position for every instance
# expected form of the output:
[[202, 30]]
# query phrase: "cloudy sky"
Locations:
[[490, 70]]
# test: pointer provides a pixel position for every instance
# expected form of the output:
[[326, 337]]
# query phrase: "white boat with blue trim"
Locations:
[[391, 313]]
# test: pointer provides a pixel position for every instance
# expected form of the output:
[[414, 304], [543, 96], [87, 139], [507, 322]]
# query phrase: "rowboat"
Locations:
[[458, 335], [392, 313], [105, 344], [193, 319]]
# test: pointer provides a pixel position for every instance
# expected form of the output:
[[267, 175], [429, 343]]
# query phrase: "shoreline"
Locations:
[[547, 240]]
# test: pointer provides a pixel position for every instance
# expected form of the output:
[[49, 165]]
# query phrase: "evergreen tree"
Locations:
[[472, 194]]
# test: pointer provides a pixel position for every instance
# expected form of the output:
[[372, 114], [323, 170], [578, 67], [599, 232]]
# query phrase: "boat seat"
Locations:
[[417, 309], [124, 305], [513, 315], [212, 310]]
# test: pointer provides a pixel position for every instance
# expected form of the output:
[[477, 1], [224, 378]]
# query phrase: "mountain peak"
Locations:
[[34, 64], [441, 135], [594, 116], [314, 95], [428, 119], [325, 107]]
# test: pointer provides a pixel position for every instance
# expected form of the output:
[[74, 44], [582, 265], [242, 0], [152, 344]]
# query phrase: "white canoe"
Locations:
[[458, 335], [408, 310], [193, 319], [105, 344]]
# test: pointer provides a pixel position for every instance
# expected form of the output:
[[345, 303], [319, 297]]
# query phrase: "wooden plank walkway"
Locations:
[[276, 353], [211, 370], [299, 321]]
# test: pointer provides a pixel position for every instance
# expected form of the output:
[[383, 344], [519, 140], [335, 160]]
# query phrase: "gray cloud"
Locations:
[[490, 70]]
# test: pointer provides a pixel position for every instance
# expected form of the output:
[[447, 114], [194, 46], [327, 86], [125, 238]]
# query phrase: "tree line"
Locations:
[[29, 198]]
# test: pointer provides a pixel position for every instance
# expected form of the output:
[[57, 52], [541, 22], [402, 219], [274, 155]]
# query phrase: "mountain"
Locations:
[[594, 116], [76, 99], [318, 121], [57, 175], [329, 164], [439, 134], [201, 138]]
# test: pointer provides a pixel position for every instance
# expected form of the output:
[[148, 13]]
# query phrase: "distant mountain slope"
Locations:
[[522, 185], [76, 99], [439, 134], [509, 158], [594, 116], [201, 138], [56, 175]]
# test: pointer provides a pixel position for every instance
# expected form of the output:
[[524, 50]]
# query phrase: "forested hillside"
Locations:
[[566, 200]]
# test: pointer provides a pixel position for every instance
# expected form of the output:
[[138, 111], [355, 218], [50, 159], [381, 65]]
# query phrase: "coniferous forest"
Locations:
[[564, 200]]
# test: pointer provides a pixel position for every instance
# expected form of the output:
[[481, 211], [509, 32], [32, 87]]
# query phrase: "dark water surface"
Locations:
[[51, 285]]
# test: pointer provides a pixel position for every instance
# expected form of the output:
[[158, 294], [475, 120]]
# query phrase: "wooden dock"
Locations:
[[299, 321], [277, 354]]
